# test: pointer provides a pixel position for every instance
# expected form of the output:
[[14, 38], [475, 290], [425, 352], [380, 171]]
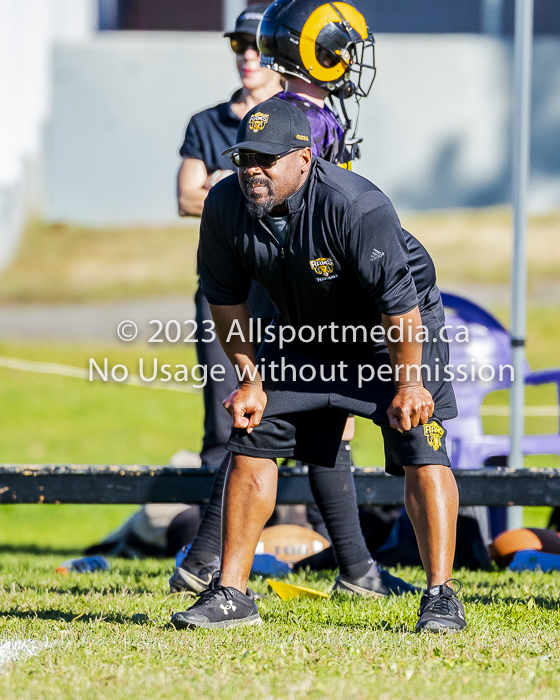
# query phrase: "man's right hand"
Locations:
[[246, 405]]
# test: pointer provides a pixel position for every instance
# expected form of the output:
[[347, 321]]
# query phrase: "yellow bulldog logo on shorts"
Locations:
[[258, 121], [322, 266], [434, 433]]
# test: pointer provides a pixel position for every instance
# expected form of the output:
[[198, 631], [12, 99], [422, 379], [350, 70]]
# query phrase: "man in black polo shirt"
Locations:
[[328, 247], [209, 134], [213, 130]]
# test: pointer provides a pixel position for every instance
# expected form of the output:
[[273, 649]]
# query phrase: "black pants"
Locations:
[[217, 422]]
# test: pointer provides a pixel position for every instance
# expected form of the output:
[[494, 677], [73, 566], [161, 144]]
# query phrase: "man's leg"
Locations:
[[432, 503], [204, 555], [335, 494], [217, 423], [249, 500], [203, 558]]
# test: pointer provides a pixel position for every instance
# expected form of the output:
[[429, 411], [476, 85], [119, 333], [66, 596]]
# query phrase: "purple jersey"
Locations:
[[326, 131]]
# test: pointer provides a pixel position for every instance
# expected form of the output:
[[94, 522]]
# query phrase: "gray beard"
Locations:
[[258, 210]]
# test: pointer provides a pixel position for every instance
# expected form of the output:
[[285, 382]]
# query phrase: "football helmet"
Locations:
[[325, 43]]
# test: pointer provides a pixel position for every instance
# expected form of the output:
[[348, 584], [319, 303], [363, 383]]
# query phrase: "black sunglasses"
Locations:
[[241, 159], [240, 44]]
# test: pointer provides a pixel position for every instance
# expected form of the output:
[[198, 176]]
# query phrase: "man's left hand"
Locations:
[[411, 405]]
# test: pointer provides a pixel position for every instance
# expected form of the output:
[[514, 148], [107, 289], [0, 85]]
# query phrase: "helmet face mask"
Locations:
[[361, 71], [327, 44]]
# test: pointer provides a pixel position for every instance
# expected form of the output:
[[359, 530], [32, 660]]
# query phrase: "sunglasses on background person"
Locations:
[[240, 44], [241, 159]]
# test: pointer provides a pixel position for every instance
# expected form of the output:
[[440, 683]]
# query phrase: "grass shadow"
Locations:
[[53, 615], [539, 601], [362, 625], [368, 626], [39, 550], [110, 590]]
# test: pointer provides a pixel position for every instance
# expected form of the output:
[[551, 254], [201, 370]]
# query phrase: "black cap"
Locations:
[[273, 127], [248, 20]]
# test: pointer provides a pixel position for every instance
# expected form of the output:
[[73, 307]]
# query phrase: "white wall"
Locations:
[[28, 29], [435, 127], [121, 105], [435, 123]]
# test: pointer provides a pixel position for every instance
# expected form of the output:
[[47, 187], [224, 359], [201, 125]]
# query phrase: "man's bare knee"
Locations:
[[253, 465], [255, 472], [426, 470]]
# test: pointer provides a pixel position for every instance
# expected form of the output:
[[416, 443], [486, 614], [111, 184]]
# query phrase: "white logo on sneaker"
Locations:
[[226, 608]]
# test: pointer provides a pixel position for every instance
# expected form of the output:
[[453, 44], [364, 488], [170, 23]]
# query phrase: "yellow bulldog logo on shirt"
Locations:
[[258, 121], [322, 266]]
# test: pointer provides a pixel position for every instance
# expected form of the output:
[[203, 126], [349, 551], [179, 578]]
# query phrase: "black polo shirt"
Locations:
[[211, 132], [345, 259]]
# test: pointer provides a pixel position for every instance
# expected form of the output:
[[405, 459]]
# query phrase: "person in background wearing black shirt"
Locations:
[[208, 134], [213, 130], [328, 247]]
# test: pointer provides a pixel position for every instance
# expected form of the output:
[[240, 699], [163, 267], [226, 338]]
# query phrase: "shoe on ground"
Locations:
[[193, 581], [377, 582], [441, 610], [219, 607]]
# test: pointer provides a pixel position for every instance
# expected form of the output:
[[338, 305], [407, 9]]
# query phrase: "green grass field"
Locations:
[[107, 637], [106, 634]]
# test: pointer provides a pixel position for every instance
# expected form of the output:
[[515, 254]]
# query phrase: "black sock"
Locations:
[[207, 544], [335, 494]]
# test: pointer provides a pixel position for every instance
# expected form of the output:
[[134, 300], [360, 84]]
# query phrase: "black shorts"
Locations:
[[309, 402]]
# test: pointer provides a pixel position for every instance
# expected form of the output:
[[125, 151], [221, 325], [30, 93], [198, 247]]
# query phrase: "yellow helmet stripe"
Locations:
[[318, 19]]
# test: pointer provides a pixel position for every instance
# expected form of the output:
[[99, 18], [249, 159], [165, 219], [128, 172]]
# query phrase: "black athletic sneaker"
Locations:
[[440, 610], [377, 582], [219, 607], [191, 580]]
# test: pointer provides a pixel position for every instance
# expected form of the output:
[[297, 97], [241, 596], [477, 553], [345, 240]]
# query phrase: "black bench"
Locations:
[[76, 483]]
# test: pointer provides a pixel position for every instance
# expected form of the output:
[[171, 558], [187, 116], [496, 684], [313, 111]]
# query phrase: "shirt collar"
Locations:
[[296, 201], [228, 110]]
